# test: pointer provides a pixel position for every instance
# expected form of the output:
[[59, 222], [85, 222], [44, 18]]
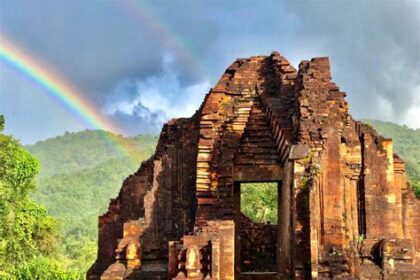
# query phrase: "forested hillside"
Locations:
[[79, 174], [406, 145], [81, 171], [76, 151]]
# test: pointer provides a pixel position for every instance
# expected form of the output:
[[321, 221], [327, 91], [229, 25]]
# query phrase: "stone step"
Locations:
[[254, 150], [258, 140], [269, 145], [256, 128]]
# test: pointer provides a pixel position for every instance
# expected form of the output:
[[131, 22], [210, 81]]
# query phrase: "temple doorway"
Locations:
[[256, 219]]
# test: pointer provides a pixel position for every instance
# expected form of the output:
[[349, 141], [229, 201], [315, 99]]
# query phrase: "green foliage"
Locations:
[[80, 252], [41, 268], [1, 123], [26, 231], [18, 168], [259, 201], [406, 145], [82, 171]]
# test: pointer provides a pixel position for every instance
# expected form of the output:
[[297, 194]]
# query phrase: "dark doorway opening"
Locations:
[[256, 218]]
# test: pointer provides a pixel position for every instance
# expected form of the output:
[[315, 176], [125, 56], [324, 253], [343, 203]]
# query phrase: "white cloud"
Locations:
[[157, 98], [412, 116], [385, 109]]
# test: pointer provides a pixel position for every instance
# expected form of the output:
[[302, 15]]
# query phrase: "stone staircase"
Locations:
[[257, 145]]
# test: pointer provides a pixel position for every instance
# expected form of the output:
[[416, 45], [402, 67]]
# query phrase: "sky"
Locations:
[[141, 63]]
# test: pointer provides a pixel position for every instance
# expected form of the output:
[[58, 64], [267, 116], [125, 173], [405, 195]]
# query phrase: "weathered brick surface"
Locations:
[[345, 208]]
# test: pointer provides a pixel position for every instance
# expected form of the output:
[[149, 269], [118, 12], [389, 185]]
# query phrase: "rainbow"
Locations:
[[62, 91], [55, 85]]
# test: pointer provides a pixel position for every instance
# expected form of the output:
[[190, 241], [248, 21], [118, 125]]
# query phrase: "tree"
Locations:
[[1, 123], [259, 201], [26, 229]]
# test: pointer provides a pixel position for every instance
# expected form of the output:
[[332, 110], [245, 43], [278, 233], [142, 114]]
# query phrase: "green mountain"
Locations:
[[73, 152], [79, 174], [406, 145]]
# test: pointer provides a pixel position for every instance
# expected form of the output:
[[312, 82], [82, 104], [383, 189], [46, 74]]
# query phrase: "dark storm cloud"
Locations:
[[94, 44], [374, 51], [90, 45]]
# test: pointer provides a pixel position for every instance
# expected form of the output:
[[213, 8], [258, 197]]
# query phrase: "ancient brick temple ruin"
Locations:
[[345, 208]]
